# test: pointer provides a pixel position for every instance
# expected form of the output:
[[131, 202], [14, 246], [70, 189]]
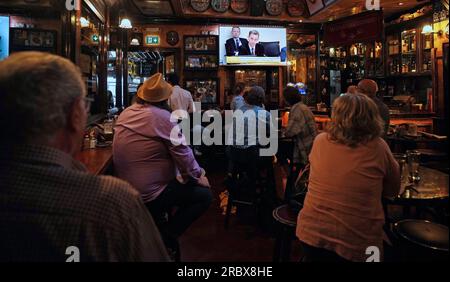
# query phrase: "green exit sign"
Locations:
[[95, 38], [152, 39]]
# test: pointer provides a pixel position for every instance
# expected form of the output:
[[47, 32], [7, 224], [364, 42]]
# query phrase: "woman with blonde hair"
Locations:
[[352, 168]]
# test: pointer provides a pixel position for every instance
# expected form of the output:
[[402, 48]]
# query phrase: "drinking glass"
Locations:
[[401, 159], [413, 165]]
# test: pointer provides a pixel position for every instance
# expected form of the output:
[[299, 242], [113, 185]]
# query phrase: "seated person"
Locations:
[[352, 168], [238, 98], [49, 202], [301, 127], [235, 46], [158, 163], [254, 48]]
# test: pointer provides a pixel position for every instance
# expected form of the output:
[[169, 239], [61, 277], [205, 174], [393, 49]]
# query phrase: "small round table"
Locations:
[[430, 191]]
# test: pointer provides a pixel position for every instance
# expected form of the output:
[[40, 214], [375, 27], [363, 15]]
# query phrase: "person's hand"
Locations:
[[203, 181]]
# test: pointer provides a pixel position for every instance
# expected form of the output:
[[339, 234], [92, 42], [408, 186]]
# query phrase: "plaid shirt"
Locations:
[[49, 203], [302, 127]]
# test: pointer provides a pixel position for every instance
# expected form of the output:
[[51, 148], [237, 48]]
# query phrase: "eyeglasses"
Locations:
[[87, 103]]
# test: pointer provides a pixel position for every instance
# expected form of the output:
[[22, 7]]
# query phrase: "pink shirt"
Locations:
[[144, 154], [343, 212]]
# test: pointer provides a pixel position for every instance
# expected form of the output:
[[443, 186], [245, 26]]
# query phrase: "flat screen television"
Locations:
[[252, 46], [4, 37]]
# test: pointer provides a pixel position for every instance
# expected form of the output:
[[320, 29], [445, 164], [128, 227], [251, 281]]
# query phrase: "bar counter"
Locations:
[[97, 161]]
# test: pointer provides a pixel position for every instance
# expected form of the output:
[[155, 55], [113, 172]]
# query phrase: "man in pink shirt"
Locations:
[[160, 166]]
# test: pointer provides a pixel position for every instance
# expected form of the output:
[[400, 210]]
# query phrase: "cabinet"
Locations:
[[201, 52], [409, 51]]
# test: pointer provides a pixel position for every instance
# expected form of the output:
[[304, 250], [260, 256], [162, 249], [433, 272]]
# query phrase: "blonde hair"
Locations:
[[355, 120]]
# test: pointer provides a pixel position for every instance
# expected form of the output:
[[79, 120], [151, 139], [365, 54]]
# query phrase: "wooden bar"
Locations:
[[97, 161]]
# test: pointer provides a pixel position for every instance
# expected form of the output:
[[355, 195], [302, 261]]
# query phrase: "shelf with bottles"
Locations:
[[201, 52], [409, 50], [426, 40], [374, 62], [201, 44], [201, 62]]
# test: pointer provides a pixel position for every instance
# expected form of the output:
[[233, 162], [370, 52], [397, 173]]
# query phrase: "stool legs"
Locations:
[[282, 250]]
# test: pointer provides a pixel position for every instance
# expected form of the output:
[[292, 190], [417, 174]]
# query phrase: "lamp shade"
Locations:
[[84, 22], [427, 29], [126, 24]]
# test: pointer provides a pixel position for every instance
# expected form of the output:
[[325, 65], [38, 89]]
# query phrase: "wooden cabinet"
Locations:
[[201, 52]]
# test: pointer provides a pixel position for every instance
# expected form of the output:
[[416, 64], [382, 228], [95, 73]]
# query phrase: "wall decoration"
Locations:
[[314, 6], [172, 38], [220, 6], [274, 7], [203, 90], [239, 6], [296, 8], [200, 5]]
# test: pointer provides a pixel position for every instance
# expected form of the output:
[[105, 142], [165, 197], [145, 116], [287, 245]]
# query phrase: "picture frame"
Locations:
[[205, 91], [24, 39]]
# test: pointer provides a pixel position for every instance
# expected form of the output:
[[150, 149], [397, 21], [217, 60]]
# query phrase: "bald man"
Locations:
[[370, 88]]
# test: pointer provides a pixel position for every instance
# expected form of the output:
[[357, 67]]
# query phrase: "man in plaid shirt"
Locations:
[[50, 207]]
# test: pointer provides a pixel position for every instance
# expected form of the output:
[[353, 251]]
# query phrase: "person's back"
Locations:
[[140, 151], [51, 207], [351, 169], [301, 126], [344, 195], [50, 203], [180, 99], [370, 88]]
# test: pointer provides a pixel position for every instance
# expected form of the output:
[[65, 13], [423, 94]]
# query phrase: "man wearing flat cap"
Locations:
[[162, 169]]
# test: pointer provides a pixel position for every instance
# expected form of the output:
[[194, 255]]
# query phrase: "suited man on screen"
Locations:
[[236, 46], [254, 48]]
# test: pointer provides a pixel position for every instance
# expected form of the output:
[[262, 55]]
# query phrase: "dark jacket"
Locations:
[[231, 47], [259, 50]]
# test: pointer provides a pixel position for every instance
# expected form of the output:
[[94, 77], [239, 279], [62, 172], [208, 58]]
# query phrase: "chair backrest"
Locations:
[[271, 49], [301, 185]]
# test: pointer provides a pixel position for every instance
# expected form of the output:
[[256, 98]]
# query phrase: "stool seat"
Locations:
[[423, 233], [285, 215]]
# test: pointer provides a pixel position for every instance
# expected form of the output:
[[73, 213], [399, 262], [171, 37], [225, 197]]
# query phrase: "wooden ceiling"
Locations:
[[150, 11], [143, 11]]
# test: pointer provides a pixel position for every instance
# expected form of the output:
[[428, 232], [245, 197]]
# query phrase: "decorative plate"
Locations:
[[239, 6], [200, 5], [296, 8], [172, 38], [274, 7], [220, 6]]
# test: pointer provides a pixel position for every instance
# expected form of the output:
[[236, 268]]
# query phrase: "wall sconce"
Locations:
[[84, 22], [427, 29]]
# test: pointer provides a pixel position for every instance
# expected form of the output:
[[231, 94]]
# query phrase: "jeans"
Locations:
[[191, 202]]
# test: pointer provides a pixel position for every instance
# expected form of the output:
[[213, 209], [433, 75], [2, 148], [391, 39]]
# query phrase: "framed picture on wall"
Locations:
[[205, 91], [22, 39]]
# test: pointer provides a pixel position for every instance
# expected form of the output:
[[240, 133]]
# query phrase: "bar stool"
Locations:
[[286, 217], [245, 180], [421, 240]]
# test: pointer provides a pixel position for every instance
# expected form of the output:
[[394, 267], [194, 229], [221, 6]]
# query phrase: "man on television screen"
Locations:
[[236, 46], [254, 48]]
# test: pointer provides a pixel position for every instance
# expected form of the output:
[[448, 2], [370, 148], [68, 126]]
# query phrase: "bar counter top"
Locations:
[[96, 160]]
